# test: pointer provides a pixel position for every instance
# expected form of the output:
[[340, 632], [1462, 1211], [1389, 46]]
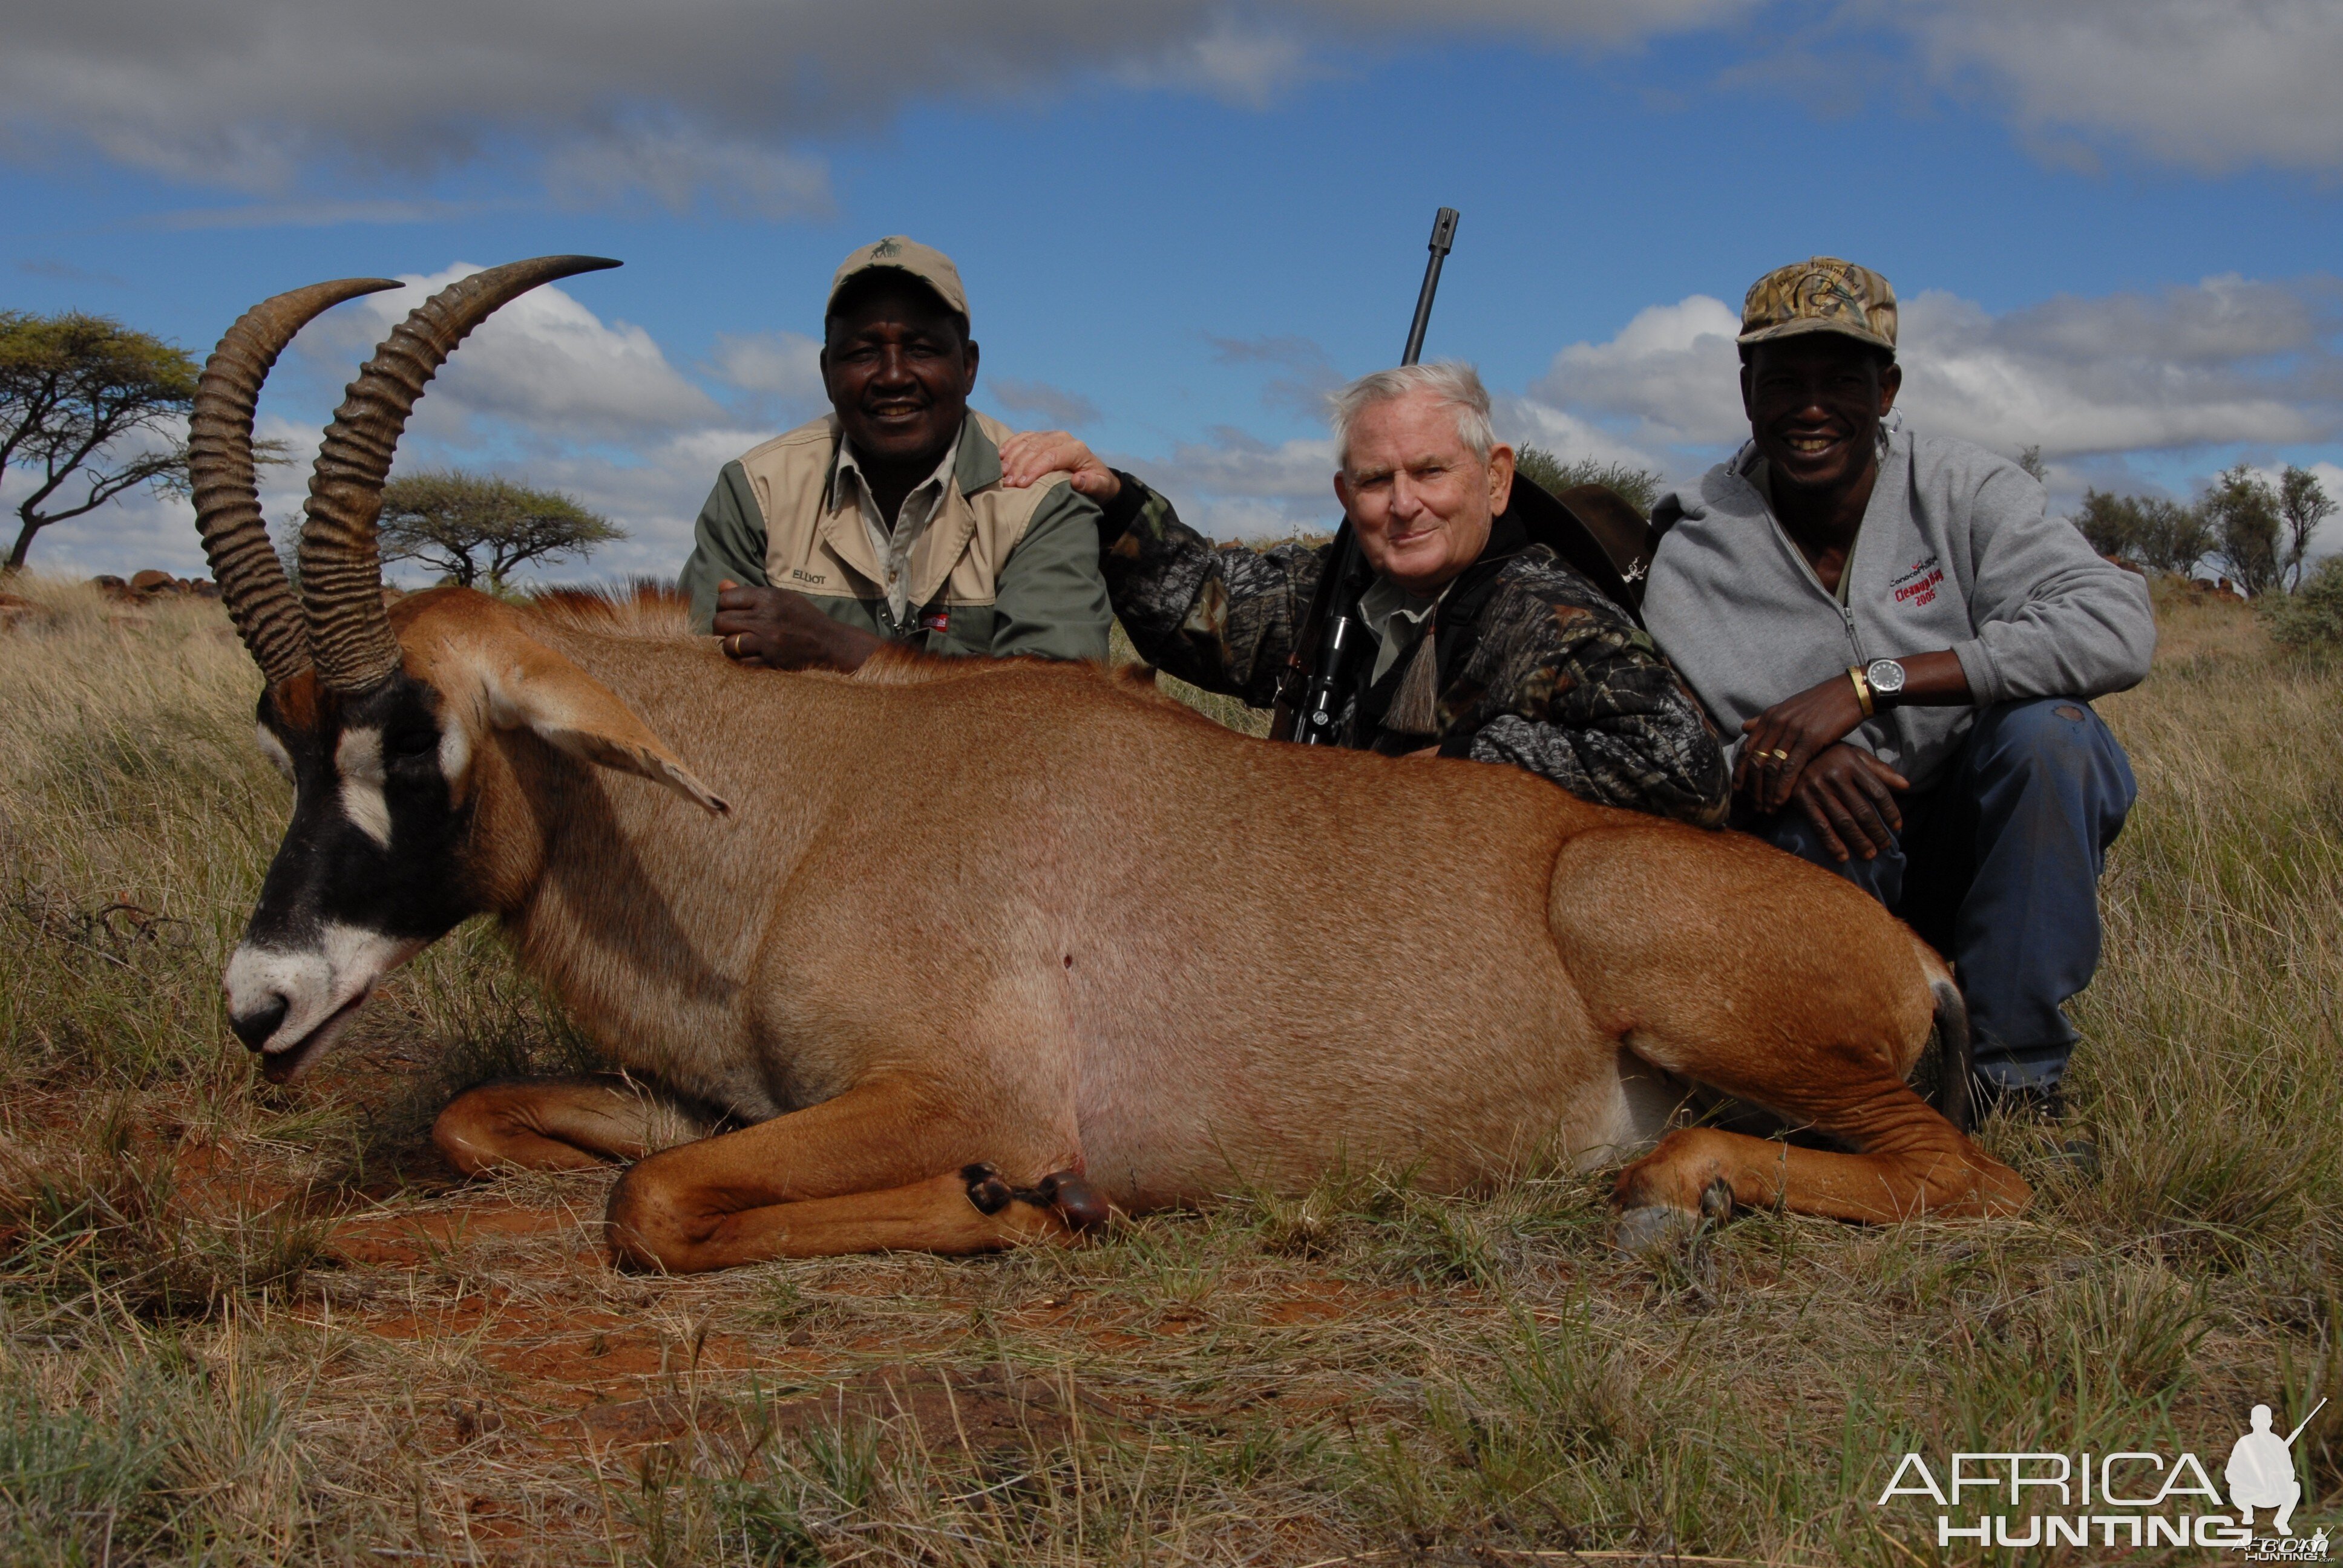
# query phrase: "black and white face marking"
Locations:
[[370, 871]]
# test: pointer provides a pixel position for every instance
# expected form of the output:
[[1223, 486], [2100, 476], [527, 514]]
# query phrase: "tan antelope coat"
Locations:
[[1035, 917]]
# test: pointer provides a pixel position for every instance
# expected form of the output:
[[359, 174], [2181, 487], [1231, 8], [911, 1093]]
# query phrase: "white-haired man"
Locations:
[[1487, 646]]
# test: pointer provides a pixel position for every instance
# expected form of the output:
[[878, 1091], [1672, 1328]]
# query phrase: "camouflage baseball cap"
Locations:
[[930, 266], [1820, 294]]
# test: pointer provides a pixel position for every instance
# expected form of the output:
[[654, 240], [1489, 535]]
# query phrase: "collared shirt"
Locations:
[[1396, 616], [893, 546]]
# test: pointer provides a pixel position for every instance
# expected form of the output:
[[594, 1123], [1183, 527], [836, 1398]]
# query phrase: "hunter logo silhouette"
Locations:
[[2260, 1473]]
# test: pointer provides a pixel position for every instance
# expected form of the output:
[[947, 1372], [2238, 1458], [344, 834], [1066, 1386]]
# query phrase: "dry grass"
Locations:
[[239, 1325]]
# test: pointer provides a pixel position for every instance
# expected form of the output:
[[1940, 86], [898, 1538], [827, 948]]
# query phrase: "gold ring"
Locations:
[[1779, 755], [732, 645]]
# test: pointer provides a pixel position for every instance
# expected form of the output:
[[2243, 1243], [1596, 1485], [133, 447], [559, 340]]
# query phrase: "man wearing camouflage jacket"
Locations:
[[1487, 646]]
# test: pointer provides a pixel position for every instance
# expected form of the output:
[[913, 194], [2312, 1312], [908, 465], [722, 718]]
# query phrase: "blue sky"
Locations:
[[2112, 222]]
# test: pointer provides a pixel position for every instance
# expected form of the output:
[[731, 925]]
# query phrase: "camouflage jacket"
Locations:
[[1535, 667]]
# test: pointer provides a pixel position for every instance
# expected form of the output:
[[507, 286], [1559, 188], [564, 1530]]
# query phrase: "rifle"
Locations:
[[1309, 714]]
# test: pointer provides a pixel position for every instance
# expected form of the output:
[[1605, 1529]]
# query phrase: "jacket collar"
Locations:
[[977, 466], [975, 469]]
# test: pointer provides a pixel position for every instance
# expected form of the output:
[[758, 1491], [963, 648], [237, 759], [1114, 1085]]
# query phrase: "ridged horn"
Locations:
[[227, 490], [341, 566]]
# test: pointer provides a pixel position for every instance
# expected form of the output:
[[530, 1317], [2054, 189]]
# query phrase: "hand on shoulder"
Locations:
[[1032, 456]]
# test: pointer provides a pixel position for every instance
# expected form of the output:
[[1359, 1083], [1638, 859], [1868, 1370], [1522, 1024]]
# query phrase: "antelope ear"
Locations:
[[530, 686]]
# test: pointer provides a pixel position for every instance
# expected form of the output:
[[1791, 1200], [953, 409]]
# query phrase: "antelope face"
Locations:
[[373, 867], [370, 871]]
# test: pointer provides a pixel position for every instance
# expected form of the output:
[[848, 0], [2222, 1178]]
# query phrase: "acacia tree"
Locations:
[[76, 392], [475, 527], [2112, 523], [2149, 529], [2302, 505], [2244, 510]]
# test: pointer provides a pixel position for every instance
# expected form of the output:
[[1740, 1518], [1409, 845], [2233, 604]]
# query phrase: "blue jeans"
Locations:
[[1997, 867]]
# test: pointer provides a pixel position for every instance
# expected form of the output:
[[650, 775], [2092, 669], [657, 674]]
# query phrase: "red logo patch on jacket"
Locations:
[[1919, 586]]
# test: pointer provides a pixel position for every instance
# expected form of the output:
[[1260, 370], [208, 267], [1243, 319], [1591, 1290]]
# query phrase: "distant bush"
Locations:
[[1639, 487], [2312, 616]]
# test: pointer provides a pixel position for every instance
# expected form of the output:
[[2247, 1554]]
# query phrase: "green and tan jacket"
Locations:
[[997, 572]]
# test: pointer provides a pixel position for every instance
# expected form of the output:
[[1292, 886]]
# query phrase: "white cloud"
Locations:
[[1671, 375], [780, 372], [711, 102], [687, 102], [544, 362], [1525, 421], [2223, 362], [2209, 85]]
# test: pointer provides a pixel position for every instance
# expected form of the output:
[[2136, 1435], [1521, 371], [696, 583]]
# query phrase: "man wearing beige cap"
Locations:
[[885, 520], [1903, 646]]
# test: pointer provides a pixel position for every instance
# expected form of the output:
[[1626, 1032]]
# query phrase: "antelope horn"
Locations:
[[341, 566], [227, 491]]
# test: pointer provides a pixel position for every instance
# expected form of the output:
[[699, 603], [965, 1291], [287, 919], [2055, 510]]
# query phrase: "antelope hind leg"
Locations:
[[1727, 963], [882, 1167], [1694, 1168], [560, 1124]]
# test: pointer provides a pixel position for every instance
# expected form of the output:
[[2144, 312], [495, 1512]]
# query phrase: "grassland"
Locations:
[[245, 1325]]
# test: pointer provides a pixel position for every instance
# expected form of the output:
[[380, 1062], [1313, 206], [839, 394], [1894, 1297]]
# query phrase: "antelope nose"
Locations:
[[254, 1027]]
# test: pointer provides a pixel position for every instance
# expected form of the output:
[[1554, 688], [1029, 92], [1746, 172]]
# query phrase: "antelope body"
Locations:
[[976, 951]]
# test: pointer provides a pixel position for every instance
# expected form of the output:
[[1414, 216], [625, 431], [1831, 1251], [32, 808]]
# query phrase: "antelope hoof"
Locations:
[[986, 1189], [1076, 1200]]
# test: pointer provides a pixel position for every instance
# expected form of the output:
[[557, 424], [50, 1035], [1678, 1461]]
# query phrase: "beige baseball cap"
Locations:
[[930, 266], [1822, 294]]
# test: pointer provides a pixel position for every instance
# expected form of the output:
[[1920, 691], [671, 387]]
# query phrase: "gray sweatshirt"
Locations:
[[1955, 551]]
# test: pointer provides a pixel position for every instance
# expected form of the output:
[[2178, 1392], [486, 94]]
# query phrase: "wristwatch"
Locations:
[[1885, 679]]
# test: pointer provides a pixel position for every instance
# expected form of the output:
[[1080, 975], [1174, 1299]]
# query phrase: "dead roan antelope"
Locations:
[[968, 954]]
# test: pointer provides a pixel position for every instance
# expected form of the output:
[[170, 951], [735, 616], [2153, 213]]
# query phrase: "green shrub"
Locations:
[[1639, 487], [2311, 616]]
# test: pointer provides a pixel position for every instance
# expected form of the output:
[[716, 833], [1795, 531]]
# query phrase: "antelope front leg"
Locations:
[[881, 1167], [560, 1124]]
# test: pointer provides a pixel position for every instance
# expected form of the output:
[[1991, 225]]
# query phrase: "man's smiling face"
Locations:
[[899, 371], [1814, 402], [1421, 501]]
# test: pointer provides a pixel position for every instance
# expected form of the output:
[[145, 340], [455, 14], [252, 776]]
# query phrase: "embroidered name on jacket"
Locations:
[[1919, 586]]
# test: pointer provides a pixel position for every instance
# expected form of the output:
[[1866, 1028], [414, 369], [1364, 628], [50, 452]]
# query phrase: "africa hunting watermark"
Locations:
[[2131, 1498]]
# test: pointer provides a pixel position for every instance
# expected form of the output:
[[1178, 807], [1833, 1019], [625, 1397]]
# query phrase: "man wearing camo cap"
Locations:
[[885, 520], [1904, 645]]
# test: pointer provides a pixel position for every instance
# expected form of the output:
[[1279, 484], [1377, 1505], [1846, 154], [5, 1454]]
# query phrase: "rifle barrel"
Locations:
[[1443, 239]]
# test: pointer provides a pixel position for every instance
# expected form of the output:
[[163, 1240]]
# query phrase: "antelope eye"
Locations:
[[407, 744]]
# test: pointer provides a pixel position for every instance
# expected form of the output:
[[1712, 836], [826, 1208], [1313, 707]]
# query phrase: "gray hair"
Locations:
[[1455, 384]]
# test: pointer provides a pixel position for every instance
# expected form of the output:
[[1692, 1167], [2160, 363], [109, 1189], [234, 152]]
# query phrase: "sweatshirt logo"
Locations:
[[1919, 585]]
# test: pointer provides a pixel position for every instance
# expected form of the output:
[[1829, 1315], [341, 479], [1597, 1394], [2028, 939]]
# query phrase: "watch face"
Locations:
[[1885, 675]]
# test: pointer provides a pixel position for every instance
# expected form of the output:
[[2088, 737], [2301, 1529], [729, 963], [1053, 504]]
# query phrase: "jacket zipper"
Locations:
[[1845, 573]]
